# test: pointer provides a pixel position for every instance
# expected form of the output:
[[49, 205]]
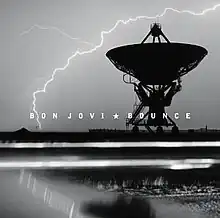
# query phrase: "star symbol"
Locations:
[[115, 116]]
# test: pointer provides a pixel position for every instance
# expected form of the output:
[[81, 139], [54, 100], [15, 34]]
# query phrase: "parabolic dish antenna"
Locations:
[[155, 70]]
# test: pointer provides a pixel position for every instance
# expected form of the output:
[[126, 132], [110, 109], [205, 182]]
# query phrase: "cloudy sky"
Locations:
[[91, 83]]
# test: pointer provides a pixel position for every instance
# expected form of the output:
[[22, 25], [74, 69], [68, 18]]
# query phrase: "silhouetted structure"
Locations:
[[155, 70], [106, 135], [22, 131]]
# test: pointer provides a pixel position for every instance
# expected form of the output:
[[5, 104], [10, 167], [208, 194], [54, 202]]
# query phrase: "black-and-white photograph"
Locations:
[[113, 66], [109, 109]]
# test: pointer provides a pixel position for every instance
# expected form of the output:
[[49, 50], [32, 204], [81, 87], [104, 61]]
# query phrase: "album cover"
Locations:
[[109, 109]]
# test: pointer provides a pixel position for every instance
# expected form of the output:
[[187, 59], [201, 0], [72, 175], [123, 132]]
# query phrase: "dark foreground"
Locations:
[[23, 135], [85, 152]]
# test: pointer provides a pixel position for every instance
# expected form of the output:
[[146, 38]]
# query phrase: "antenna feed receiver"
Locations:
[[156, 29]]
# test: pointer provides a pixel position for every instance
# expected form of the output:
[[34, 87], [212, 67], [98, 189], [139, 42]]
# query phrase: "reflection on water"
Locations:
[[194, 186], [50, 197], [58, 192]]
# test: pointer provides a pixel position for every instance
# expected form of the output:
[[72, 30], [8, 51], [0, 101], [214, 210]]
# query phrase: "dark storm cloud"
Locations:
[[91, 83]]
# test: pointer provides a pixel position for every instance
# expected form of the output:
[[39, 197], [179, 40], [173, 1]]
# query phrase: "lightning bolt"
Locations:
[[36, 26], [103, 33]]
